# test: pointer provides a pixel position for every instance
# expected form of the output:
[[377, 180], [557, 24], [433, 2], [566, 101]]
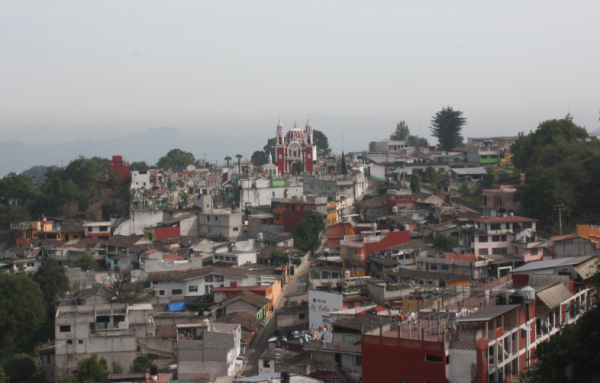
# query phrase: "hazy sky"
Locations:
[[91, 69]]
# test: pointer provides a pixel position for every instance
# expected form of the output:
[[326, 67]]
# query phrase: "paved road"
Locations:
[[297, 284]]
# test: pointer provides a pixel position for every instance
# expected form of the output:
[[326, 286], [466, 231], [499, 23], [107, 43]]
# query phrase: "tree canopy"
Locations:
[[446, 126], [111, 206], [92, 369], [259, 158], [401, 133], [176, 158], [53, 281], [308, 229], [21, 311], [139, 165], [445, 242], [416, 141], [415, 183], [322, 143], [560, 169], [343, 170], [270, 148]]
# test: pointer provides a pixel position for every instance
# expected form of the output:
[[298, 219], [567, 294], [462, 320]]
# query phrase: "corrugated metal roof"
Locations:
[[542, 279], [587, 269], [554, 295], [488, 313]]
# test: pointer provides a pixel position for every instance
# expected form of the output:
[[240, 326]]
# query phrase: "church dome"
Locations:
[[295, 135]]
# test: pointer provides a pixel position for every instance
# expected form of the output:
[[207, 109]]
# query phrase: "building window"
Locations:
[[69, 342], [216, 218], [349, 338], [80, 341], [30, 264], [266, 363], [483, 238], [207, 289], [483, 252], [350, 305], [445, 267], [503, 238], [177, 292], [193, 289], [495, 226], [103, 228], [236, 229], [358, 360], [500, 251], [65, 329], [161, 292], [433, 267], [433, 358], [208, 278], [302, 316], [218, 278], [207, 218], [495, 238], [534, 251], [527, 225]]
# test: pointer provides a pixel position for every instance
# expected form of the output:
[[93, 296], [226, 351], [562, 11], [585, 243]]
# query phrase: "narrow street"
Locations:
[[297, 284]]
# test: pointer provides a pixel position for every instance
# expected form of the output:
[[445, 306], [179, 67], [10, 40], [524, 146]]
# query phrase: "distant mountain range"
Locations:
[[147, 146]]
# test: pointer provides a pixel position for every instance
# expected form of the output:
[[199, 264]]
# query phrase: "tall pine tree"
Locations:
[[446, 125], [344, 170]]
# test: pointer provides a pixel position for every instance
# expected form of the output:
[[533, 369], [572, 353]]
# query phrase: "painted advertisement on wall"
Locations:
[[321, 308]]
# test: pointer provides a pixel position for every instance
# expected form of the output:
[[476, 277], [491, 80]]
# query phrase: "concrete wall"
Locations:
[[263, 196], [168, 287], [140, 219], [241, 306], [228, 226], [267, 230], [574, 247], [76, 275], [459, 369], [189, 227], [153, 265], [292, 319]]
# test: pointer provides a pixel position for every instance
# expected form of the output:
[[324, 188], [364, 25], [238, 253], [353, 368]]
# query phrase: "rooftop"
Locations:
[[508, 219], [487, 313], [468, 171]]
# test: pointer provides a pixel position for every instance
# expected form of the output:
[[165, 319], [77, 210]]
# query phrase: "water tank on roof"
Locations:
[[395, 209], [260, 236], [374, 226], [303, 198], [347, 275], [528, 293]]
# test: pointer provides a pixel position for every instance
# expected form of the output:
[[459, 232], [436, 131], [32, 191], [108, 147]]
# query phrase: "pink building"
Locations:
[[502, 235], [492, 200]]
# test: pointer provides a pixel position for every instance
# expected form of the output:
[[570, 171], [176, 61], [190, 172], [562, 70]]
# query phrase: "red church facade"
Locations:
[[296, 146]]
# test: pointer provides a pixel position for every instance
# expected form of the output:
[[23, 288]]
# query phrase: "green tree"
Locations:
[[307, 231], [415, 183], [274, 257], [344, 170], [83, 204], [82, 171], [322, 143], [16, 189], [445, 242], [446, 126], [92, 369], [114, 179], [259, 158], [24, 368], [269, 148], [117, 368], [37, 173], [416, 141], [15, 214], [401, 133], [21, 311], [228, 159], [140, 365], [139, 166], [526, 148], [176, 158], [54, 283], [111, 206], [3, 376]]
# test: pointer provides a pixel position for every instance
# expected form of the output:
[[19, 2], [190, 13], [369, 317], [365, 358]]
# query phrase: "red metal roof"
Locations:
[[172, 256], [470, 257]]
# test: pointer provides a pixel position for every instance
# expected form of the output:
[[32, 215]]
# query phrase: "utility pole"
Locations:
[[559, 208]]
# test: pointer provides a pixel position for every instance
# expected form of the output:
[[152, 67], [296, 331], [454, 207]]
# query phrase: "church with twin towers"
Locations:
[[295, 147]]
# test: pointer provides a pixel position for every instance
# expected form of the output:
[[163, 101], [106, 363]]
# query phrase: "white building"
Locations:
[[177, 285], [140, 179]]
